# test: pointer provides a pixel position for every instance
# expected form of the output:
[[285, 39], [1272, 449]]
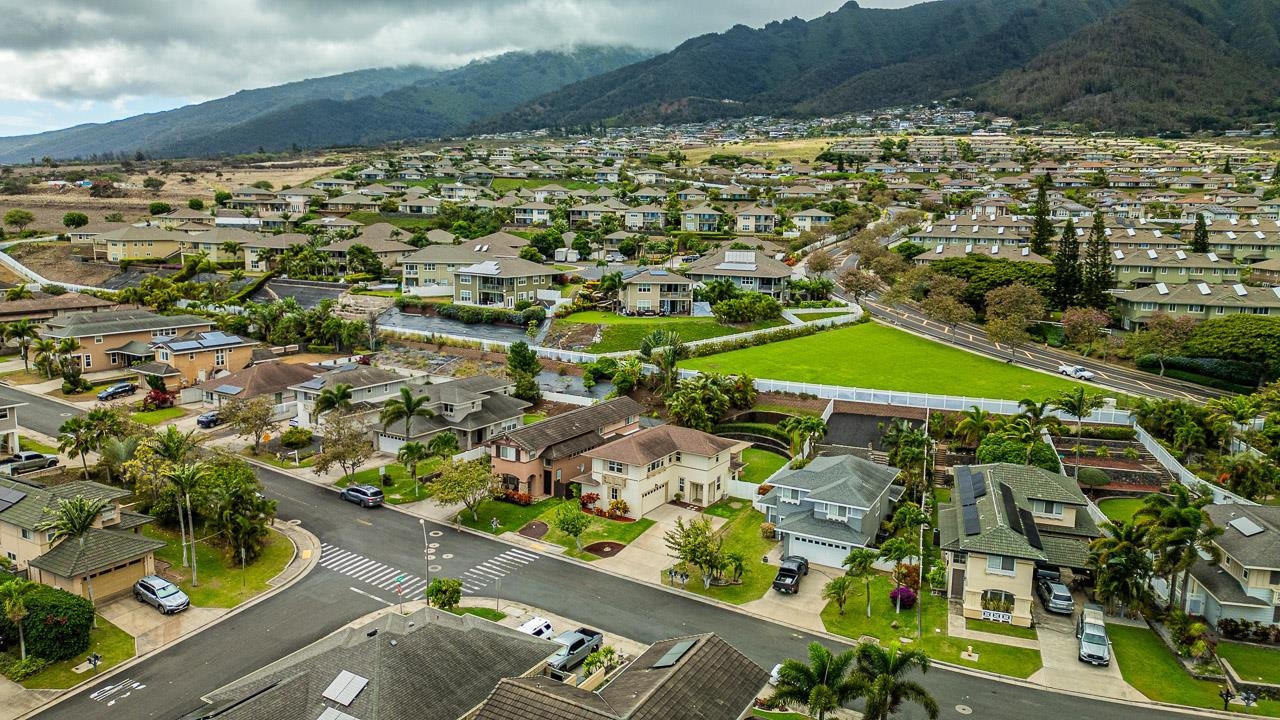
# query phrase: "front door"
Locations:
[[546, 482]]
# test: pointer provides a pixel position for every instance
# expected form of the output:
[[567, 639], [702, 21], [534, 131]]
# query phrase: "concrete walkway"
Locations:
[[956, 627]]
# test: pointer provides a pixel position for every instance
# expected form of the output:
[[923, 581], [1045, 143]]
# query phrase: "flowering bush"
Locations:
[[588, 499], [618, 508], [518, 498], [905, 594]]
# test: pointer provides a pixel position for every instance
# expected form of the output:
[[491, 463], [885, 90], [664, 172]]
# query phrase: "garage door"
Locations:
[[819, 552], [652, 498], [388, 444]]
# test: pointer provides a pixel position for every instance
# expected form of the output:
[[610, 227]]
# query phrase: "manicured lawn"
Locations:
[[760, 464], [483, 612], [771, 715], [222, 584], [599, 530], [159, 416], [403, 489], [510, 516], [271, 459], [814, 316], [875, 356], [1120, 509], [1252, 662], [113, 644], [941, 496], [1000, 628], [531, 418], [625, 333], [854, 623], [741, 534], [34, 446], [729, 508], [22, 377]]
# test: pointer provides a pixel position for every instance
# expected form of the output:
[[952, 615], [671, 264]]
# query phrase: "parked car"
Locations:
[[615, 257], [1055, 596], [774, 677], [161, 595], [689, 258], [1076, 372], [120, 389], [363, 495], [210, 419], [26, 461], [790, 569], [575, 646], [537, 627], [1091, 630]]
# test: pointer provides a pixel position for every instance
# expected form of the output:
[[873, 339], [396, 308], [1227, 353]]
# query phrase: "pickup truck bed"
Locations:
[[576, 645]]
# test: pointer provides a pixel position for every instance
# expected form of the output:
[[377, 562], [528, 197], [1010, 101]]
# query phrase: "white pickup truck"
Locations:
[[1076, 372]]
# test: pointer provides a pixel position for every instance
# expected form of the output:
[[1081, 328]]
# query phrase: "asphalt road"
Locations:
[[169, 684], [42, 414]]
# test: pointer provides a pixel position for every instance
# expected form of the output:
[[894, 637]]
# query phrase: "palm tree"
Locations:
[[409, 455], [13, 598], [104, 423], [19, 292], [174, 445], [406, 407], [1038, 413], [1078, 404], [838, 590], [45, 350], [185, 478], [72, 519], [974, 425], [665, 349], [230, 247], [1021, 430], [882, 672], [115, 452], [610, 284], [443, 445], [77, 437], [861, 564], [1177, 527], [897, 550], [821, 685], [1237, 411], [24, 331], [736, 564], [801, 429], [1122, 564], [337, 397]]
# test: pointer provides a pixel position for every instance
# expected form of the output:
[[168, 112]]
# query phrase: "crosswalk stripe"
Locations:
[[369, 572], [329, 560], [388, 582], [521, 553], [356, 566], [496, 569], [488, 572], [379, 577], [511, 559], [415, 587], [501, 561], [326, 546], [480, 577]]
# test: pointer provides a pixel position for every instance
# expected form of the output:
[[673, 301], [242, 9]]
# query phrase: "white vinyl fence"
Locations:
[[1185, 476]]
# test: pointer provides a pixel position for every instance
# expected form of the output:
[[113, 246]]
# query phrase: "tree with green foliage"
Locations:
[[523, 359], [469, 483], [665, 349], [361, 259], [71, 520], [860, 565], [823, 684], [1163, 336], [152, 183], [443, 445], [236, 509], [405, 407], [13, 600], [159, 208], [1068, 279], [344, 442], [24, 332], [73, 220], [410, 455], [1042, 224], [1079, 404], [1243, 336], [1200, 236], [195, 204], [1122, 565], [337, 397], [896, 550], [572, 521], [250, 418], [19, 219], [838, 590], [444, 593], [881, 674], [1096, 277], [76, 436]]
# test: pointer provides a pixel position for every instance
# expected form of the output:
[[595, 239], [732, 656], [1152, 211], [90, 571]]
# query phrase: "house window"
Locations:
[[613, 493], [1147, 306], [464, 295], [506, 452], [464, 279], [559, 475], [1275, 577], [1046, 507], [4, 413], [839, 511], [614, 466], [656, 464], [681, 485], [644, 288], [97, 340], [219, 358], [522, 281], [1000, 565], [113, 359], [27, 534], [677, 456], [429, 267], [87, 360], [162, 355]]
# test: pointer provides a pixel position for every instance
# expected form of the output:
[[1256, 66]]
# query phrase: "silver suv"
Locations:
[[1055, 596], [161, 595], [1095, 647]]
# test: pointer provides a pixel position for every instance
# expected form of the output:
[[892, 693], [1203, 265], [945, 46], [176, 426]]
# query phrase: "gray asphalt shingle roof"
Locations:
[[571, 427], [841, 479], [102, 549], [1259, 550]]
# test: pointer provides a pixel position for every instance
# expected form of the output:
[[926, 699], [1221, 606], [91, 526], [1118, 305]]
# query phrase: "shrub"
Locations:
[[588, 499], [768, 530], [787, 332], [319, 348], [905, 594], [749, 307], [57, 624], [20, 670], [517, 498], [1093, 477], [763, 489], [1232, 371], [618, 508], [1105, 432], [296, 438]]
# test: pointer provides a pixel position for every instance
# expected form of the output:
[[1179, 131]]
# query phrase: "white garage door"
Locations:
[[819, 552], [652, 498], [388, 444]]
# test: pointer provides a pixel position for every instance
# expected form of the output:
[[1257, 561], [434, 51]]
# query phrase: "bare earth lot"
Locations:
[[55, 261]]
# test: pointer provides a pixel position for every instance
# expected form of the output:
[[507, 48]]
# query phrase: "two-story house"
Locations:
[[831, 506], [216, 244], [1245, 585], [703, 218], [541, 459], [9, 426], [120, 338], [1172, 267], [113, 554], [191, 358], [473, 409], [532, 213], [1199, 300], [812, 220], [755, 219], [750, 270], [431, 269], [644, 217], [501, 282], [1004, 521], [262, 252], [657, 291], [39, 309], [133, 243], [653, 466], [368, 386]]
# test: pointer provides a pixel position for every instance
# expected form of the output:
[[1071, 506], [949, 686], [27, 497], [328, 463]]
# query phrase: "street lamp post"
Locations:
[[920, 596], [426, 561]]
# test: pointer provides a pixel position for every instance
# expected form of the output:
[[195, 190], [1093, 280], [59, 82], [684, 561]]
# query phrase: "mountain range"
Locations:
[[1133, 66]]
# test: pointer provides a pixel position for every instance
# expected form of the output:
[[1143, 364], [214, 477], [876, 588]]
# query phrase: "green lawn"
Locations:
[[501, 185], [222, 584], [741, 534], [1253, 662], [760, 464], [270, 459], [22, 377], [482, 612], [35, 446], [854, 623], [1120, 509], [157, 417], [531, 418], [511, 517], [599, 530], [1000, 628], [625, 333], [403, 490], [814, 316], [875, 356], [113, 644]]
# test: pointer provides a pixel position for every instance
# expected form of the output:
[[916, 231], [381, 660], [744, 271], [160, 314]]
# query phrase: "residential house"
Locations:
[[1196, 299], [212, 243], [1172, 267], [387, 249], [543, 458], [420, 205], [812, 220], [271, 379], [298, 200], [501, 282], [702, 218], [594, 213], [750, 270], [135, 243], [550, 193], [473, 409], [39, 309], [351, 202], [262, 252], [833, 505], [184, 217], [655, 465], [369, 385], [9, 426], [459, 192], [532, 213], [255, 199], [994, 252], [644, 217], [193, 357], [432, 268], [338, 184], [691, 195], [119, 338], [88, 232], [112, 554], [649, 195], [1245, 585], [657, 291], [1004, 521], [755, 219], [1266, 272]]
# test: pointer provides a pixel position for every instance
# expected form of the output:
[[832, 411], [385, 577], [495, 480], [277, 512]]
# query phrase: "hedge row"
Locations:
[[57, 624], [1232, 371], [1101, 432], [788, 332]]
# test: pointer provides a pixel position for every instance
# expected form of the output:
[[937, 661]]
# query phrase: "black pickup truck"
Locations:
[[790, 570]]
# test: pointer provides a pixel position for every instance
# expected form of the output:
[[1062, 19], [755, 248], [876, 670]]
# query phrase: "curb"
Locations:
[[270, 592]]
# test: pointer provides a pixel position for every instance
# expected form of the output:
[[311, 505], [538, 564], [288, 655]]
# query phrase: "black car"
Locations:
[[120, 389], [209, 419], [363, 495]]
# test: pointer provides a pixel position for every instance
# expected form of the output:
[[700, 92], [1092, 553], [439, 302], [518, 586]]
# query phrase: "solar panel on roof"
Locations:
[[345, 688], [1246, 526], [1010, 508], [676, 652], [1029, 529], [10, 497], [658, 273], [979, 484], [229, 390], [971, 524], [743, 267]]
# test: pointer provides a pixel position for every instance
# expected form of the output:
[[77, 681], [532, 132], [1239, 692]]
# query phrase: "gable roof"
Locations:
[[355, 375], [573, 432], [739, 263], [264, 378], [101, 549], [644, 446], [840, 479], [1260, 549], [37, 503], [122, 321]]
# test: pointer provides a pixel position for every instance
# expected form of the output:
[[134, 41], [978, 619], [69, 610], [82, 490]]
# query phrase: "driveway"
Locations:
[[647, 556], [1062, 667], [149, 628], [805, 607]]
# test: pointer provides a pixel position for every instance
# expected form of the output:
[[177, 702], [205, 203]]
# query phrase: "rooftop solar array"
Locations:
[[1010, 508], [676, 652], [345, 688], [10, 497], [1246, 526], [1029, 528], [965, 484]]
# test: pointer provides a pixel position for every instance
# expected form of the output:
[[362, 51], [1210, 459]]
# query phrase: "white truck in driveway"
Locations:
[[575, 646], [1076, 372]]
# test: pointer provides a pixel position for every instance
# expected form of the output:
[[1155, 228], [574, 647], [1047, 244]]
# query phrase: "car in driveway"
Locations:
[[1091, 631], [161, 595], [790, 569], [363, 495], [210, 419], [1055, 596], [120, 389], [26, 461]]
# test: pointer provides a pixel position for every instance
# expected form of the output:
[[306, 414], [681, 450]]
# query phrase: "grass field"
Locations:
[[814, 316], [35, 446], [403, 489], [599, 530], [741, 534], [158, 416], [798, 150], [760, 465], [510, 516], [22, 377], [1253, 662], [1120, 509], [502, 185], [625, 333], [874, 356], [113, 644], [1000, 629], [481, 612], [222, 584]]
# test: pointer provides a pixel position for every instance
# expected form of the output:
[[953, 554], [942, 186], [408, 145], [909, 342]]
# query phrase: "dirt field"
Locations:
[[799, 150], [54, 261]]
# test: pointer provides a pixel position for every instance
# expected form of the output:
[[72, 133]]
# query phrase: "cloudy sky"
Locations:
[[74, 61]]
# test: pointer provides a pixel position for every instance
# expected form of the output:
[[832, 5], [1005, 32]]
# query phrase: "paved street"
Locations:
[[42, 414]]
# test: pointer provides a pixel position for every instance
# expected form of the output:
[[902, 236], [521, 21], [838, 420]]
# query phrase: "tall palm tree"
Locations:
[[13, 599], [665, 349], [72, 519], [337, 397], [1122, 565], [881, 673], [406, 407], [1235, 411], [1078, 404], [24, 331], [46, 355], [861, 565], [185, 478], [174, 445], [1038, 414], [104, 423], [802, 429], [823, 684], [610, 284], [974, 425], [443, 445], [410, 454], [77, 437], [115, 452], [1178, 530], [230, 247]]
